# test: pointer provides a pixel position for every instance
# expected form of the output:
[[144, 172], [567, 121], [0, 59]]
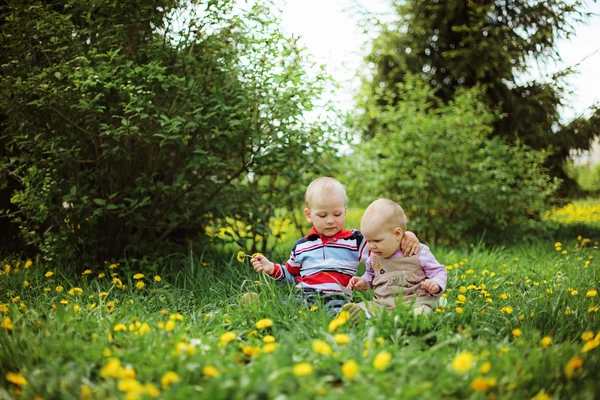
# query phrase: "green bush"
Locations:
[[131, 125], [440, 164]]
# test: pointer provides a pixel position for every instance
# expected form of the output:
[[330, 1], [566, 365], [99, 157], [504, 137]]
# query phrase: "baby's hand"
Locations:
[[410, 244], [357, 283], [260, 263], [431, 286]]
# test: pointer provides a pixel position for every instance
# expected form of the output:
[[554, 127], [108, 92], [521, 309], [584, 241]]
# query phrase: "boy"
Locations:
[[394, 275], [322, 263]]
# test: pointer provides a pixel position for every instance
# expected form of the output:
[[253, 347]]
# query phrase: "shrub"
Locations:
[[137, 123], [450, 177]]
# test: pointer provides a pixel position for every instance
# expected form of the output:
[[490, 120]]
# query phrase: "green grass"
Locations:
[[63, 353]]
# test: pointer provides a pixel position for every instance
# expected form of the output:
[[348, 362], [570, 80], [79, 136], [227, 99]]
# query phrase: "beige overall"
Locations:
[[399, 279]]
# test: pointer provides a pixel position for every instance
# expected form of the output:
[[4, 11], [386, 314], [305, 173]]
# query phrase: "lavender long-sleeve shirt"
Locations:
[[432, 268]]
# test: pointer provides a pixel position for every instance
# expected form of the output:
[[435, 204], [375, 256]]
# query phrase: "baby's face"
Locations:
[[383, 241], [327, 213]]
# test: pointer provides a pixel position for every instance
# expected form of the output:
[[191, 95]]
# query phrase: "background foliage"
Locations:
[[439, 162], [487, 44], [131, 126]]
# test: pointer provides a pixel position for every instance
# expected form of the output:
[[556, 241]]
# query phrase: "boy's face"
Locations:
[[383, 241], [327, 213]]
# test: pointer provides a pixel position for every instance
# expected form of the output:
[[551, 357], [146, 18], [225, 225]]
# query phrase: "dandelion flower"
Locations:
[[28, 264], [119, 327], [210, 371], [506, 310], [157, 278], [241, 256], [138, 276], [341, 338], [516, 332], [592, 293], [585, 336], [382, 360], [463, 362], [49, 274], [486, 367], [459, 310], [16, 378], [112, 369], [269, 339], [545, 342], [541, 396], [227, 337], [168, 379], [321, 347], [170, 325], [270, 347], [350, 369], [256, 255], [140, 284], [481, 383], [303, 369], [7, 324], [264, 323], [574, 364]]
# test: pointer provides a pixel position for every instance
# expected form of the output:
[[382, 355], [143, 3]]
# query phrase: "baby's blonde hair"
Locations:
[[387, 212], [326, 186]]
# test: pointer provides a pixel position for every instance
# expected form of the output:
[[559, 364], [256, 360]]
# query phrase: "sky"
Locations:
[[330, 33]]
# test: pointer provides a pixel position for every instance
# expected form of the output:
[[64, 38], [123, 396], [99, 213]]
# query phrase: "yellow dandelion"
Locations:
[[140, 284], [49, 274], [350, 369], [574, 364], [16, 378], [119, 327], [321, 347], [485, 368], [506, 310], [256, 255], [588, 335], [459, 310], [157, 278], [592, 293], [138, 276], [516, 332], [541, 396], [381, 361], [314, 308], [463, 362], [264, 323], [112, 369], [545, 342], [227, 337], [341, 338], [113, 266], [7, 324], [481, 384], [210, 371], [269, 339], [241, 256], [270, 347], [591, 344], [168, 379], [170, 325], [28, 264], [303, 369]]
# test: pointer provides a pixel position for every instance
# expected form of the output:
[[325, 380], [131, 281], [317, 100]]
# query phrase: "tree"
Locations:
[[456, 44], [133, 125]]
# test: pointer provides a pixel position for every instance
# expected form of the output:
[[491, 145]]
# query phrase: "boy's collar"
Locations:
[[343, 234]]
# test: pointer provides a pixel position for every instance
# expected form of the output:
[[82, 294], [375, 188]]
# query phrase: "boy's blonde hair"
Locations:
[[326, 186], [386, 212]]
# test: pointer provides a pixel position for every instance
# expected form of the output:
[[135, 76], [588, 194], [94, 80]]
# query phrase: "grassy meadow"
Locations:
[[520, 322]]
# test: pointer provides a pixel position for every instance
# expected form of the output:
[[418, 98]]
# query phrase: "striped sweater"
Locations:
[[324, 264]]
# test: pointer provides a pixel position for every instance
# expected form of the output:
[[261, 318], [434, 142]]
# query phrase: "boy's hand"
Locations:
[[262, 264], [431, 286], [357, 283], [410, 244]]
